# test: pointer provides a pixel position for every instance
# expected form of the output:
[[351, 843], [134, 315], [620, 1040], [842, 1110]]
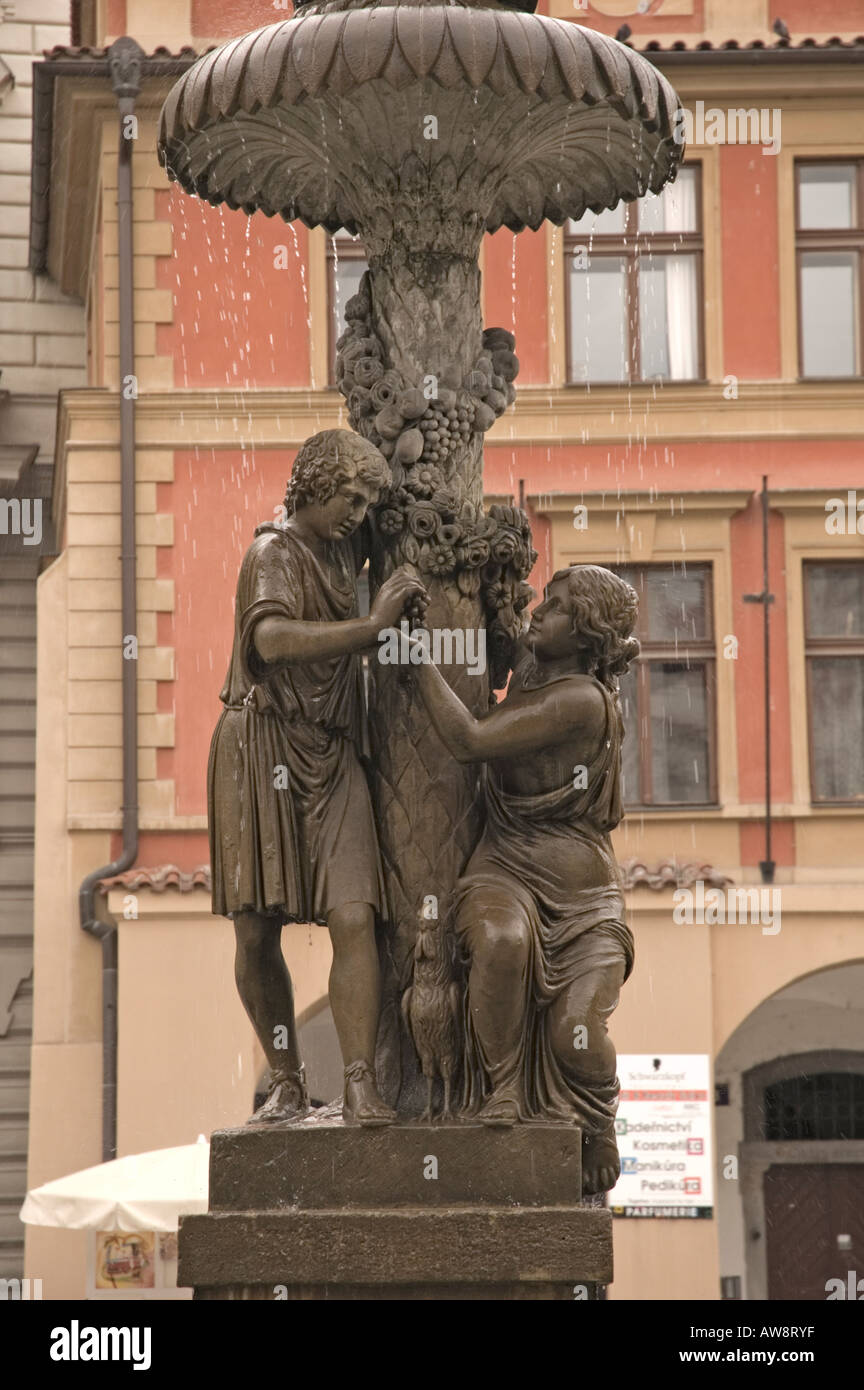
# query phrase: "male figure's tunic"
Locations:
[[574, 932], [291, 827]]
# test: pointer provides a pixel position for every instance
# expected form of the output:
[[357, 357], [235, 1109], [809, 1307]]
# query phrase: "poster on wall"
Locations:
[[133, 1265], [125, 1260], [663, 1127]]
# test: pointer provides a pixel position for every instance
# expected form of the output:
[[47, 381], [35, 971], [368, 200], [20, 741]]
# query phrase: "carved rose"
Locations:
[[474, 553], [367, 370], [386, 389], [423, 520], [450, 533], [505, 544]]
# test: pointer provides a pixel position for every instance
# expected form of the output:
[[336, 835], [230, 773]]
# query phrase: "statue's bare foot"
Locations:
[[501, 1109], [287, 1100], [363, 1105], [601, 1165]]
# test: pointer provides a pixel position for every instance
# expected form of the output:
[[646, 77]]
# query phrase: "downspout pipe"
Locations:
[[767, 865], [124, 65]]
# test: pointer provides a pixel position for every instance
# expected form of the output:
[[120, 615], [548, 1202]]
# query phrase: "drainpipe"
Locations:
[[124, 64], [766, 598]]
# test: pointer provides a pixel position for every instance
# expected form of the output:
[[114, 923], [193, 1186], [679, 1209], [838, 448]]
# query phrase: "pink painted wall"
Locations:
[[751, 287], [241, 297], [515, 297]]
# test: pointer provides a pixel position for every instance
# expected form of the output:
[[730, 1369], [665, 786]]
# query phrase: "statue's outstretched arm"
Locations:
[[552, 716], [280, 641]]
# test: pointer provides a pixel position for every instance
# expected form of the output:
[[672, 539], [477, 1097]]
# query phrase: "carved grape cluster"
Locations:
[[408, 425], [420, 516]]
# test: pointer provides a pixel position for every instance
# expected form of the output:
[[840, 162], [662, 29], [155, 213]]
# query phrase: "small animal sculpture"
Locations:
[[431, 1008]]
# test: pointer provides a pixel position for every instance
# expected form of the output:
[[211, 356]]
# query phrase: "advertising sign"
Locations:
[[664, 1136]]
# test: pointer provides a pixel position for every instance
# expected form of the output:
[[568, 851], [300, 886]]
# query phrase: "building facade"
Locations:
[[42, 350], [689, 410]]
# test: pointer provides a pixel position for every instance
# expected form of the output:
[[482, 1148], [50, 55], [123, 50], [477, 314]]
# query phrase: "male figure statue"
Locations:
[[292, 836], [539, 909]]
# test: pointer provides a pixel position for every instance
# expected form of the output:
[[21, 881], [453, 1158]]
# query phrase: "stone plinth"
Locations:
[[407, 1212]]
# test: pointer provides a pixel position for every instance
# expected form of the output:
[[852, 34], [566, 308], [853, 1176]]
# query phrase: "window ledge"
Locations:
[[743, 811]]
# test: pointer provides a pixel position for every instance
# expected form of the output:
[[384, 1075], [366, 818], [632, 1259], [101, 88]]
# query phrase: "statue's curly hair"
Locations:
[[603, 609], [327, 460]]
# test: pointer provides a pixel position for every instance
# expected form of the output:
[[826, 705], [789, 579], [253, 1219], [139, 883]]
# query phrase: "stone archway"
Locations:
[[811, 1026]]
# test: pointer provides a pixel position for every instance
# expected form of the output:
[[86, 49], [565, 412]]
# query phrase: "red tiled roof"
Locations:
[[670, 874], [733, 46], [99, 54], [189, 54], [165, 876]]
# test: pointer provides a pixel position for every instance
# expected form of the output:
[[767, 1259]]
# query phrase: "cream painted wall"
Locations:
[[188, 1061], [665, 1259], [67, 1053]]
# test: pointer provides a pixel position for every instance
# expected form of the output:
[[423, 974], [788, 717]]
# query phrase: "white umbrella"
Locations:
[[142, 1192]]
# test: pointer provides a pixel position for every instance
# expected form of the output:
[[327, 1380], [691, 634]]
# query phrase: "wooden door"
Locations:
[[814, 1228]]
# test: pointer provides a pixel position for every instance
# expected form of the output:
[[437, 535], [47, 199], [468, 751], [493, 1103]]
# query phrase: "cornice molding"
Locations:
[[718, 502], [806, 499], [682, 414], [543, 415]]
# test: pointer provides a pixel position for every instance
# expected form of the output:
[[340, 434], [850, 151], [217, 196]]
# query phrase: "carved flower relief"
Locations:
[[391, 522], [425, 481], [497, 595], [423, 520], [505, 544], [385, 389], [366, 371], [474, 553], [437, 559], [450, 533]]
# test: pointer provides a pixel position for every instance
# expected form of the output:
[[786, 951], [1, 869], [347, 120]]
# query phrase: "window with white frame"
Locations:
[[834, 634], [634, 288], [346, 265], [830, 244]]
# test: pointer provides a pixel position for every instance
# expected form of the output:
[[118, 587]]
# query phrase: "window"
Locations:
[[834, 630], [829, 1106], [634, 289], [667, 696], [830, 241], [346, 263]]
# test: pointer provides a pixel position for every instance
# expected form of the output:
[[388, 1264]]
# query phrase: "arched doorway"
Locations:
[[801, 1115], [790, 1132]]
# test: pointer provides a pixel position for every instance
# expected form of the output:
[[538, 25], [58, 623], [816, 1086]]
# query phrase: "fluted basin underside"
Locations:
[[507, 118]]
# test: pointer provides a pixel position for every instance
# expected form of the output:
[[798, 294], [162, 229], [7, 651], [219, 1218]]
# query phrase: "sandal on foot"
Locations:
[[287, 1099], [371, 1109]]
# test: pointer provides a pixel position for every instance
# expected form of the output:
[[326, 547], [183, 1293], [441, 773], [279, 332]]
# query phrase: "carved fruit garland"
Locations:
[[423, 432]]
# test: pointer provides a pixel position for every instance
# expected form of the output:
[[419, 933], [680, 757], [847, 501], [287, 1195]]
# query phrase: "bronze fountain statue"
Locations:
[[457, 848]]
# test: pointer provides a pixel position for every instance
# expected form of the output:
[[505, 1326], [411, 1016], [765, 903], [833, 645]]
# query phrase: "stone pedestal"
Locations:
[[405, 1212]]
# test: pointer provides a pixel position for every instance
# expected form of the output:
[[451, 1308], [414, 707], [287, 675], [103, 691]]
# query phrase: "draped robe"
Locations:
[[292, 833], [574, 932]]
